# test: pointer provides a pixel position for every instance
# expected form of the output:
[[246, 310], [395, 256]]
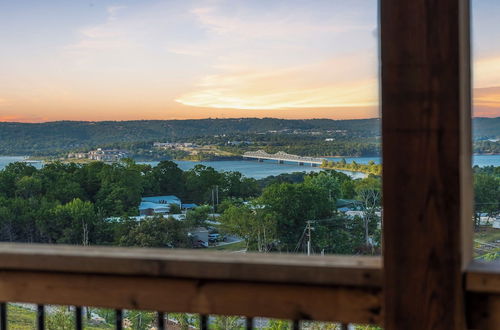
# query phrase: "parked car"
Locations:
[[199, 244], [214, 237]]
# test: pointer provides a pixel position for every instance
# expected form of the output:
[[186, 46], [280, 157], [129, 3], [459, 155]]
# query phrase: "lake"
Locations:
[[254, 169], [479, 160]]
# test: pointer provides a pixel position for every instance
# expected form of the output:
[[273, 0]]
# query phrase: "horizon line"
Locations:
[[205, 118]]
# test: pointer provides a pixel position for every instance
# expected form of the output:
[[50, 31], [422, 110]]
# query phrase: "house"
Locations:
[[189, 206], [173, 145], [169, 199], [111, 155], [485, 219], [344, 205], [158, 204], [496, 223], [148, 208], [78, 155]]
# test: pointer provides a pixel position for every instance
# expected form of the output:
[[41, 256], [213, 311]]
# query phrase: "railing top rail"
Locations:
[[359, 271], [483, 277]]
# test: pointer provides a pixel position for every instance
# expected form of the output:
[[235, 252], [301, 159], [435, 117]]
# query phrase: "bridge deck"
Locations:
[[283, 156]]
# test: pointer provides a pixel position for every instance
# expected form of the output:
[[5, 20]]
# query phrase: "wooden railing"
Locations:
[[343, 289]]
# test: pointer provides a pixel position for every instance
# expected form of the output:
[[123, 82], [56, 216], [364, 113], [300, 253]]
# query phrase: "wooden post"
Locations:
[[425, 91]]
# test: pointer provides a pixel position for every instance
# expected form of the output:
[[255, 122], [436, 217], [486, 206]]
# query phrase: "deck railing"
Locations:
[[341, 289]]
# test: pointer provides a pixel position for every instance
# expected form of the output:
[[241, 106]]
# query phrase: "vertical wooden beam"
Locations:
[[425, 94]]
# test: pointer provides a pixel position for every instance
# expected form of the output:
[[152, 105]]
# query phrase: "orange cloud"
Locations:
[[487, 102], [23, 119], [487, 97], [342, 82], [487, 72]]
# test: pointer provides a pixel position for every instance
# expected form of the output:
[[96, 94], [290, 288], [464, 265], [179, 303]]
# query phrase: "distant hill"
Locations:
[[54, 137], [486, 128]]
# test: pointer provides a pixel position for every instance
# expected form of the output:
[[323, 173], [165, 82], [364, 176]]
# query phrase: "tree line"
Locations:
[[92, 204], [69, 203]]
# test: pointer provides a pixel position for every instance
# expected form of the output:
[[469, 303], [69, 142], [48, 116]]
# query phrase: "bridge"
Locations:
[[283, 157]]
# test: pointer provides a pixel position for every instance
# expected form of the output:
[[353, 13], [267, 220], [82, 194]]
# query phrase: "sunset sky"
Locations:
[[178, 59]]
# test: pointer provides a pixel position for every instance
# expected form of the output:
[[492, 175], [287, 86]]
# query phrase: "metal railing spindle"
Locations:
[[119, 319], [3, 316], [40, 317], [203, 322], [78, 318], [249, 323], [161, 321]]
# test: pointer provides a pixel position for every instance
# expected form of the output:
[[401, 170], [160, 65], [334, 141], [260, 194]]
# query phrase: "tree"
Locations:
[[256, 226], [278, 325], [200, 183], [227, 322], [293, 205], [140, 320], [486, 194], [73, 223], [28, 186], [169, 179], [368, 191], [197, 216], [156, 232], [235, 185], [61, 318], [174, 209], [328, 181]]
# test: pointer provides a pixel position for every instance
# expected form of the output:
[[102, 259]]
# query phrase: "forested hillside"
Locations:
[[53, 137], [486, 128], [59, 137]]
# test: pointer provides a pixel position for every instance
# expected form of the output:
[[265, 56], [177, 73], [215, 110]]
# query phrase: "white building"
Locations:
[[111, 155], [496, 223], [158, 204], [172, 145]]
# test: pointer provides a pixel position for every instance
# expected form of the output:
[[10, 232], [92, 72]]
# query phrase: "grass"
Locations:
[[238, 246], [487, 235], [20, 318]]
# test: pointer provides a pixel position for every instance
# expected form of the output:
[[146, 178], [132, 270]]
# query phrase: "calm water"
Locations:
[[479, 160], [254, 169], [6, 160], [258, 170]]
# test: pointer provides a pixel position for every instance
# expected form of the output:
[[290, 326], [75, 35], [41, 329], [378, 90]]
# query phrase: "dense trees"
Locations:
[[69, 203], [93, 203], [486, 191], [370, 168], [59, 137], [155, 232], [277, 220]]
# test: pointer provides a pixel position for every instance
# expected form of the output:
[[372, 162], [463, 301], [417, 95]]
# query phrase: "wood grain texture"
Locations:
[[289, 301], [483, 277], [483, 311], [201, 265], [425, 81]]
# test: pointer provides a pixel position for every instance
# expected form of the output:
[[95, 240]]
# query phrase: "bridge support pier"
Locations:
[[301, 164], [281, 161]]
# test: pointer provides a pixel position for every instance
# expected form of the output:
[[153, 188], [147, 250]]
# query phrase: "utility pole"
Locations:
[[217, 193], [309, 237], [213, 200]]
